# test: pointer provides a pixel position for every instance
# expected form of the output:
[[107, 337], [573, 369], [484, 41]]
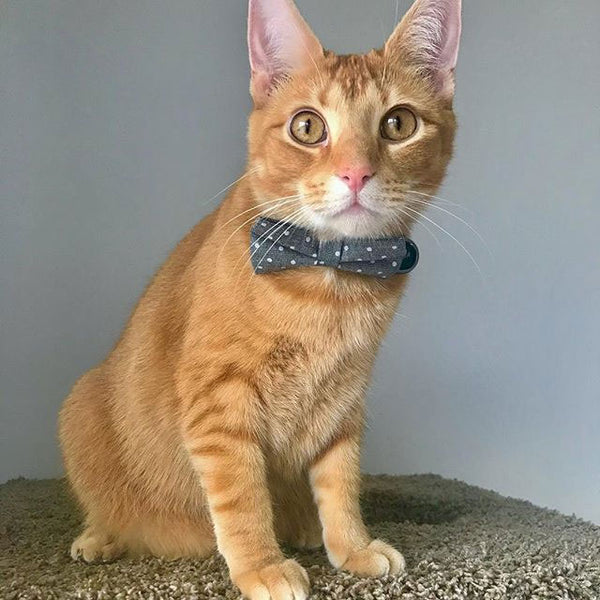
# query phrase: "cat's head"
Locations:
[[351, 144]]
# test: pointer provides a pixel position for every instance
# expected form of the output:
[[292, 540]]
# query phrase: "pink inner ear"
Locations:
[[429, 38], [430, 34], [265, 32], [279, 41], [450, 36], [256, 45]]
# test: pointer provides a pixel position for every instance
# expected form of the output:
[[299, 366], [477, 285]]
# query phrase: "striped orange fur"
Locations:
[[229, 415]]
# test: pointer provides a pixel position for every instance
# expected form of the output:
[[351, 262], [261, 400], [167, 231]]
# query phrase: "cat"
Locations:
[[229, 414]]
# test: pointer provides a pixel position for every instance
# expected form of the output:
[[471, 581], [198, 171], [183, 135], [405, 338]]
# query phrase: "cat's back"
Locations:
[[152, 337], [108, 411], [139, 363]]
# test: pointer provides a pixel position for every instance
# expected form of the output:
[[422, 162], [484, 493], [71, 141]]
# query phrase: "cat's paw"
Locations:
[[93, 546], [286, 580], [378, 559]]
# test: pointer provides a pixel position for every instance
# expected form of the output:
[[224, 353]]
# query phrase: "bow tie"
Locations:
[[277, 246]]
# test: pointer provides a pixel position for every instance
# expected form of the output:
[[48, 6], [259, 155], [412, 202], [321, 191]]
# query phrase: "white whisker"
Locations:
[[262, 238], [257, 206], [289, 226], [420, 215], [384, 74], [252, 217], [246, 174], [444, 200], [385, 63], [430, 204], [272, 232], [431, 233], [268, 234], [301, 38], [405, 227]]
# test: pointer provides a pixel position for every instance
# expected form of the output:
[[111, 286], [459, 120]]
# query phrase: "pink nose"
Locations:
[[356, 177]]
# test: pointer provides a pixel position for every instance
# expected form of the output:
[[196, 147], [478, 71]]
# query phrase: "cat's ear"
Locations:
[[428, 37], [280, 43]]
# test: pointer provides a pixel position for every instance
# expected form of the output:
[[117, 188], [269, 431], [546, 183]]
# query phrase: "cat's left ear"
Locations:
[[428, 38], [280, 43]]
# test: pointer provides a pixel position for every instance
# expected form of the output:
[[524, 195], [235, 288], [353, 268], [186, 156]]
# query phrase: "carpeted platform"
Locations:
[[460, 542]]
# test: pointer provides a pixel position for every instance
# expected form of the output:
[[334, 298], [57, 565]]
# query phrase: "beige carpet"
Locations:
[[460, 542]]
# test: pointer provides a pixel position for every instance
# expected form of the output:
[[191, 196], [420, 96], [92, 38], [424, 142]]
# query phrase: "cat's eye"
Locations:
[[399, 124], [308, 128]]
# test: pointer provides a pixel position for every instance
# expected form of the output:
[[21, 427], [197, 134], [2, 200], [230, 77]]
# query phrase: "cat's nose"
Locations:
[[356, 177]]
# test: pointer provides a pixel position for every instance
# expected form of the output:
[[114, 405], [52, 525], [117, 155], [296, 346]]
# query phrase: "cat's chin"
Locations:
[[352, 223]]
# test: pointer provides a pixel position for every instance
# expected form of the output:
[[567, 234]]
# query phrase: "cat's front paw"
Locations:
[[378, 559], [95, 546], [286, 580]]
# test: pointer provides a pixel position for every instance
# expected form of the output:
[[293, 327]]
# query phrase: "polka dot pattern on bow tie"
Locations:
[[278, 246]]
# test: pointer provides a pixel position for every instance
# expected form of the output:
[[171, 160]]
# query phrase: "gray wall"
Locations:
[[120, 119]]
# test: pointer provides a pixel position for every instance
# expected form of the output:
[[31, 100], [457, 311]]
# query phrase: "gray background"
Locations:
[[120, 119]]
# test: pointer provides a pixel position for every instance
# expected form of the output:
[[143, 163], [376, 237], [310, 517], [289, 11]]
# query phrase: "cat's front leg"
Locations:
[[335, 479], [226, 453]]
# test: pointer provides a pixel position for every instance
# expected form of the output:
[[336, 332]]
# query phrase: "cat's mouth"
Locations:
[[351, 219], [352, 213], [354, 209]]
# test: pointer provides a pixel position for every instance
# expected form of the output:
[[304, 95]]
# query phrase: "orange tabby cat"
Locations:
[[229, 415]]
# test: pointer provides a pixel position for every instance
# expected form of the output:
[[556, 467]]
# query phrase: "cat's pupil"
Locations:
[[308, 128], [398, 123]]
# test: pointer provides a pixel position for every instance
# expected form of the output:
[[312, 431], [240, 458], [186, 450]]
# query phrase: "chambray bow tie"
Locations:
[[277, 246]]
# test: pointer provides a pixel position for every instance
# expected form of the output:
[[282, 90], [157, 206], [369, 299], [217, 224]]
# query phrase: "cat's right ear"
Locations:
[[280, 43], [428, 38]]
